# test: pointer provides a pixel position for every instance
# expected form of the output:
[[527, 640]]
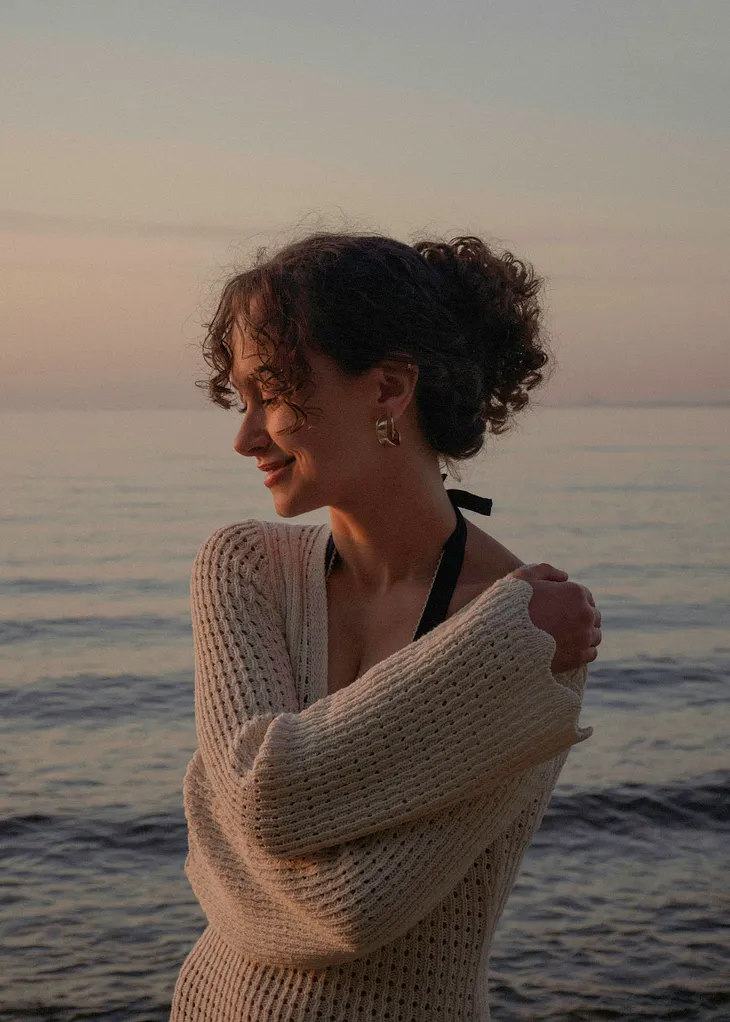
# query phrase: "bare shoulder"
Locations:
[[485, 562], [486, 559]]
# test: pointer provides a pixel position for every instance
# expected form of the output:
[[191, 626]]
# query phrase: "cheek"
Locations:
[[279, 422], [335, 436], [343, 447], [316, 445]]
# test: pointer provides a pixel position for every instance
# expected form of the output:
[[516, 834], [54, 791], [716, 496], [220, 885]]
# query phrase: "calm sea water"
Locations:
[[621, 910]]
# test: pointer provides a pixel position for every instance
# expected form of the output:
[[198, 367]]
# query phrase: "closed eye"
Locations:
[[242, 409]]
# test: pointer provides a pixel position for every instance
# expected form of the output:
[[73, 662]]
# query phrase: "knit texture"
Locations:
[[353, 852]]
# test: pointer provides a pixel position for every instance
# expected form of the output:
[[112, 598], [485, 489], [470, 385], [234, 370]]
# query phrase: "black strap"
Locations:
[[451, 562], [446, 578], [470, 501]]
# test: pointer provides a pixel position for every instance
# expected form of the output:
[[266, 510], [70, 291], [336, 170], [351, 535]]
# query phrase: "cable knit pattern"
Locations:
[[353, 852]]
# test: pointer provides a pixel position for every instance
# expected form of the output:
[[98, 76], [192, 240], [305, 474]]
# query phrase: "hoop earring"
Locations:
[[387, 431]]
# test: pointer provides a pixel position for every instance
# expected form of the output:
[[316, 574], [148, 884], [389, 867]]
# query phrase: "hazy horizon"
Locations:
[[149, 149]]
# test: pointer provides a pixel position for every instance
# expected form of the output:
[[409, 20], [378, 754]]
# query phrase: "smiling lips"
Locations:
[[270, 466], [273, 470]]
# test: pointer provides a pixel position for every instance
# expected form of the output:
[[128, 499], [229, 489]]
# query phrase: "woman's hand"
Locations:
[[567, 611]]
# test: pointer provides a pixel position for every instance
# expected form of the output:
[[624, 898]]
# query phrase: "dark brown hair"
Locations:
[[469, 318]]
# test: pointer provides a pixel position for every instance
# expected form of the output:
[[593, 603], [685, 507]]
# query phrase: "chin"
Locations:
[[290, 505], [286, 511]]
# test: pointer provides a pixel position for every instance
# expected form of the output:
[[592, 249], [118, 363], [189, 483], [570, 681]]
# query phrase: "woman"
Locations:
[[379, 719]]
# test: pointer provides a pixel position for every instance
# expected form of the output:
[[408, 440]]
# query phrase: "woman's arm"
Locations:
[[348, 900], [448, 718]]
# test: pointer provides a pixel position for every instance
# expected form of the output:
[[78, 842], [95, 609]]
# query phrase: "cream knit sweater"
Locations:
[[353, 852]]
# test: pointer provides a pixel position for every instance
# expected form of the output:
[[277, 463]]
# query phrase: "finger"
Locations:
[[549, 573], [541, 573], [597, 619], [597, 637], [588, 595], [589, 654], [585, 615]]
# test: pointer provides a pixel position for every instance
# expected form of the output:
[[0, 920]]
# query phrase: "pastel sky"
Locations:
[[150, 145]]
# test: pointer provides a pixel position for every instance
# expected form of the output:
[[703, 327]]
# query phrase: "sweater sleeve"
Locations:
[[453, 716], [345, 901]]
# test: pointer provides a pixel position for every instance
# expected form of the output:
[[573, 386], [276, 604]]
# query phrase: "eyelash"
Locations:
[[242, 409]]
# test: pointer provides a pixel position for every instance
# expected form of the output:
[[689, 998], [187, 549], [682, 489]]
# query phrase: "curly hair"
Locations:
[[469, 318]]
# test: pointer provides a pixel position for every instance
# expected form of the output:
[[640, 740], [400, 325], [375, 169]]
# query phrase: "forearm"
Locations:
[[343, 902]]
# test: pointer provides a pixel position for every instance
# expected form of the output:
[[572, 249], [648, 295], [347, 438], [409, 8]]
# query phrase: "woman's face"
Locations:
[[332, 459]]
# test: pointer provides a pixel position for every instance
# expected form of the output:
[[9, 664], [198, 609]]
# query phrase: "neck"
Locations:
[[393, 533]]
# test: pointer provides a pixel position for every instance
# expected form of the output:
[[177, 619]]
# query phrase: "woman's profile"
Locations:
[[383, 703]]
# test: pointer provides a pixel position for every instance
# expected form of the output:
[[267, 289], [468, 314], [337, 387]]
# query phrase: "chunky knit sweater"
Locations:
[[353, 852]]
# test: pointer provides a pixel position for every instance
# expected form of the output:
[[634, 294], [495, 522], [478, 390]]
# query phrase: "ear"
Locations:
[[395, 385]]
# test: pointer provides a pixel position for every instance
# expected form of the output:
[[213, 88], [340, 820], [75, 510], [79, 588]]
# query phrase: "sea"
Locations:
[[622, 906]]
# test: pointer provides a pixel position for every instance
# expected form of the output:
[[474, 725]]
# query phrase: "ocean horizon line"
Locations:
[[593, 403]]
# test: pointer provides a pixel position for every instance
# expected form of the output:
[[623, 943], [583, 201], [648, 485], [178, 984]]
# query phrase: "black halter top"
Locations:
[[450, 564]]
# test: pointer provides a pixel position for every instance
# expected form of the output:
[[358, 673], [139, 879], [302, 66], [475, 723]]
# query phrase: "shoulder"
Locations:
[[240, 541], [254, 550], [486, 559]]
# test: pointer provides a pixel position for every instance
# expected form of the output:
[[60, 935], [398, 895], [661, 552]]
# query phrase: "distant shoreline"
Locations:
[[669, 403], [536, 404]]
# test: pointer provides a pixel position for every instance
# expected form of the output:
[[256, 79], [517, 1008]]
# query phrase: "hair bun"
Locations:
[[495, 298], [485, 276]]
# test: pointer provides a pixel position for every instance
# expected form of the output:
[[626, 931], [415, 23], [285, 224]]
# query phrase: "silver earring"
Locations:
[[387, 431]]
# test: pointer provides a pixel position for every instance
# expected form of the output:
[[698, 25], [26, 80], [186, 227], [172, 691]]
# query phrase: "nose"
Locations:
[[252, 437]]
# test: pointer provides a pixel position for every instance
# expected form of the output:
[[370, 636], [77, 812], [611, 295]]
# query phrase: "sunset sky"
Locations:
[[149, 146]]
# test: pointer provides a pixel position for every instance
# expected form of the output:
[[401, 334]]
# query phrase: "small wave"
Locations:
[[38, 586], [96, 698], [127, 586], [141, 1010], [21, 825], [632, 616], [661, 671], [701, 804], [163, 834], [630, 488], [119, 629], [659, 569]]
